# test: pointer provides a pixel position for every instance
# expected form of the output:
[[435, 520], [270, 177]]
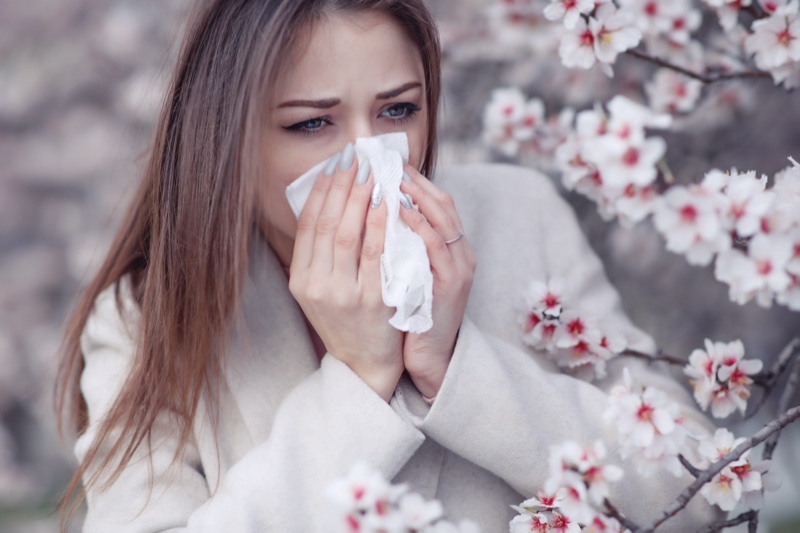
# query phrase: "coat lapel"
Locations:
[[272, 351]]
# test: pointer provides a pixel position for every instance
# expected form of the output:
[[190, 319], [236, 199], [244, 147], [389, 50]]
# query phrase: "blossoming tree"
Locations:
[[746, 224]]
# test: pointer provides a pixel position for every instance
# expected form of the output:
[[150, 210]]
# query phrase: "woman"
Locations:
[[213, 393]]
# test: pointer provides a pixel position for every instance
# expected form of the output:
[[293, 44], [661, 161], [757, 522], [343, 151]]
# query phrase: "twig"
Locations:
[[683, 499], [752, 526], [614, 513], [671, 359], [768, 379], [783, 404], [735, 521], [746, 74], [689, 466]]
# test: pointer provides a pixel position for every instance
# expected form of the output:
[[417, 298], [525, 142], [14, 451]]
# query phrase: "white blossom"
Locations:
[[776, 40], [649, 426], [738, 478], [721, 377], [569, 10], [689, 218], [672, 92]]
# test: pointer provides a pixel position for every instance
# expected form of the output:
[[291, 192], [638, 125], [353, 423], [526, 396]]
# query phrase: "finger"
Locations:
[[444, 199], [442, 261], [439, 210], [340, 172], [307, 223], [348, 235], [369, 268]]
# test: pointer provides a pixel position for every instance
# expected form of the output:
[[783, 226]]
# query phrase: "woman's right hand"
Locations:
[[335, 276]]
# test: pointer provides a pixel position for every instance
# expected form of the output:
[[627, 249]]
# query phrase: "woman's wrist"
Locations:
[[383, 381]]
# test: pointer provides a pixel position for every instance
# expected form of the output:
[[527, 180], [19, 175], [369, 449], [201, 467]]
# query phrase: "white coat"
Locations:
[[288, 425]]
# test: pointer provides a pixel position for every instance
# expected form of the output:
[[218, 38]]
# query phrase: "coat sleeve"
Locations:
[[502, 404], [325, 424]]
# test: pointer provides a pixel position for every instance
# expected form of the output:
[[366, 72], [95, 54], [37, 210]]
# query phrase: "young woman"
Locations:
[[229, 361]]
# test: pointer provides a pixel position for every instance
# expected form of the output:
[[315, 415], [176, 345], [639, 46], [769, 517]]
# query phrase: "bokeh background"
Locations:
[[80, 85]]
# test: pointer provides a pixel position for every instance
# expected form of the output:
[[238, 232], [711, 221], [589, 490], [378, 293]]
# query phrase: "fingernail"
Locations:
[[330, 168], [406, 177], [376, 196], [363, 173], [347, 157], [404, 200]]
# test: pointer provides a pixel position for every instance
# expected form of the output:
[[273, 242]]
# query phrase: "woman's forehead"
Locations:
[[341, 50]]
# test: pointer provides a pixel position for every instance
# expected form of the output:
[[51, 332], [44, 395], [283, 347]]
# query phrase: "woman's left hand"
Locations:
[[426, 356]]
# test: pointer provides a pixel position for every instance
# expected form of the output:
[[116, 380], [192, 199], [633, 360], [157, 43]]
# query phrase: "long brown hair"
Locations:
[[184, 239]]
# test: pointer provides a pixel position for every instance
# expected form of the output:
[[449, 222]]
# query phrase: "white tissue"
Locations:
[[406, 279]]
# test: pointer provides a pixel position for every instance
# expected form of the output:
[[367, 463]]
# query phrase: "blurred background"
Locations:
[[81, 83]]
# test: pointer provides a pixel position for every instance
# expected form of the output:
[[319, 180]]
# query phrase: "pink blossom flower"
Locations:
[[649, 426], [748, 202], [724, 490], [776, 40], [672, 92], [736, 479], [569, 10], [501, 117], [543, 305], [653, 16], [614, 32], [689, 218], [761, 273], [702, 368], [577, 47], [722, 377], [418, 513]]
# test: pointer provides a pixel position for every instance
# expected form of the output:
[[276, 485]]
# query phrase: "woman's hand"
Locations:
[[335, 276], [427, 355]]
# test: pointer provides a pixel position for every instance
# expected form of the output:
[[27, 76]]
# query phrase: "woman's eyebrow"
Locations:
[[318, 104], [398, 91]]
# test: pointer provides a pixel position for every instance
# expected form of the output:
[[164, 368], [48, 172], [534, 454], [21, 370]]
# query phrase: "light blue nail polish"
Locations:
[[406, 177], [404, 201], [363, 173], [347, 157], [330, 168], [376, 196]]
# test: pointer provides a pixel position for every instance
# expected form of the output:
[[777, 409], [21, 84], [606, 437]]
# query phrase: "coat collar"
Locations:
[[271, 352]]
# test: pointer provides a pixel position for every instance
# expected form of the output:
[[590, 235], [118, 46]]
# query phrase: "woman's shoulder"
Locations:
[[114, 317], [495, 199], [496, 180]]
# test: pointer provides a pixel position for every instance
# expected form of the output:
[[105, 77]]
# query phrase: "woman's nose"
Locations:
[[361, 127]]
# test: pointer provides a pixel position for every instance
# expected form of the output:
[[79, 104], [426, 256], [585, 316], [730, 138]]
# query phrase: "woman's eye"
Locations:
[[401, 112], [308, 127]]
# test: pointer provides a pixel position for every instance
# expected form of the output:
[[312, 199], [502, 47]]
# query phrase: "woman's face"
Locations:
[[359, 75]]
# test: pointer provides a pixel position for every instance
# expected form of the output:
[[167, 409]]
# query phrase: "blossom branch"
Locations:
[[683, 499], [768, 379], [696, 472], [747, 74], [613, 512], [786, 397], [670, 359], [741, 519]]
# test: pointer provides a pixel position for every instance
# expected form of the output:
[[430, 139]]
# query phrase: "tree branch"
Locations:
[[783, 404], [689, 466], [719, 526], [683, 499], [614, 513], [670, 359], [769, 378], [707, 79]]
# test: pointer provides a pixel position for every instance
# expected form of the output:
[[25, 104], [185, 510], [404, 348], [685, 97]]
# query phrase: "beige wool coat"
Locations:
[[288, 425]]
